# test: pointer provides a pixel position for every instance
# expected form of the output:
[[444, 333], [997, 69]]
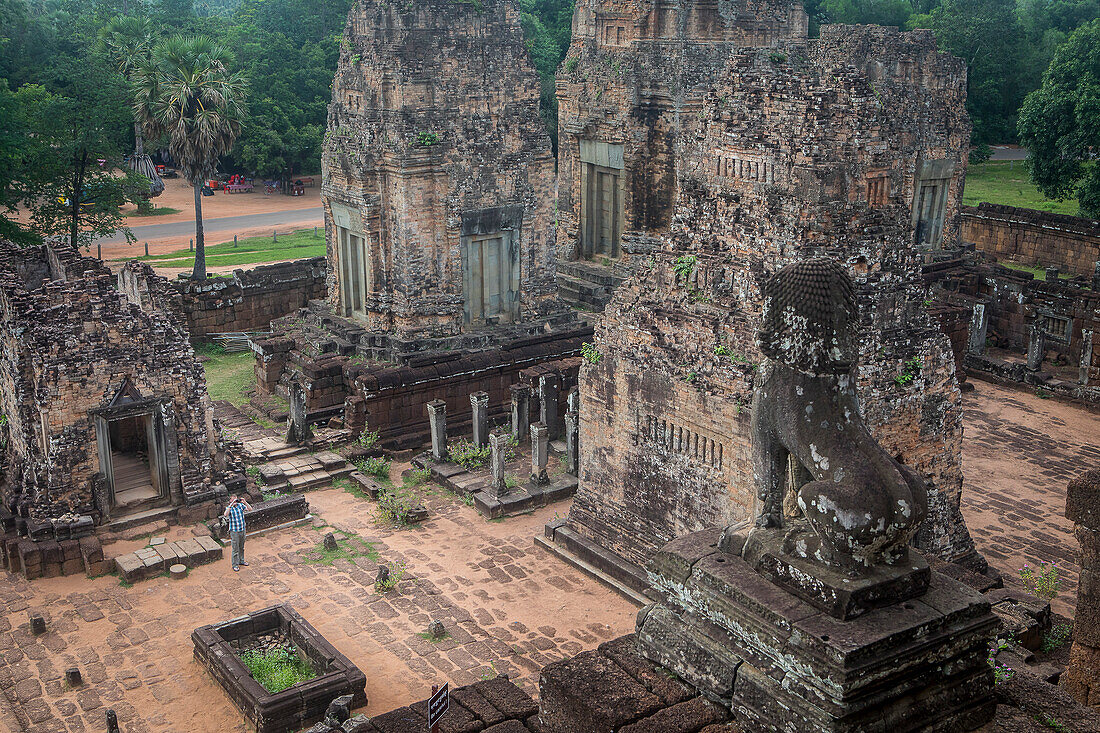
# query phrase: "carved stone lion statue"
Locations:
[[861, 504]]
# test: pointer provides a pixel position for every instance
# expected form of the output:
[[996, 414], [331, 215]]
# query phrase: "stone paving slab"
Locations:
[[1019, 453], [150, 561], [507, 606]]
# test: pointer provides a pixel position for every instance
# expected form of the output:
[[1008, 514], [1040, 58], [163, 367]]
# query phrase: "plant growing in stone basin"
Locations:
[[277, 668]]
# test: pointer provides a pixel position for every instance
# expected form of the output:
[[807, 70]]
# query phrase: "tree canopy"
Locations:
[[1060, 122]]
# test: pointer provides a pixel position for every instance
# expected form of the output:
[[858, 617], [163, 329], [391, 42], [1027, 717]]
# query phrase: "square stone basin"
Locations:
[[216, 649]]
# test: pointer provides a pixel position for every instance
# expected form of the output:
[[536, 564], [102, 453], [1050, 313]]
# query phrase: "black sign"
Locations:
[[438, 704]]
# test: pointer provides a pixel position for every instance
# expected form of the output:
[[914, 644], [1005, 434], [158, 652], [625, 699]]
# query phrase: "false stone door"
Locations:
[[490, 274]]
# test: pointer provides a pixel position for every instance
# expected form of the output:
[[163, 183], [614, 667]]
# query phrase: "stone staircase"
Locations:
[[586, 285], [301, 472]]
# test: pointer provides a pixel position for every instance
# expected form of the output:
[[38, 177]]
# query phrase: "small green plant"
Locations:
[[468, 455], [1051, 722], [571, 64], [590, 353], [1043, 581], [1002, 673], [511, 482], [395, 507], [420, 476], [378, 467], [778, 58], [910, 371], [1057, 636], [492, 674], [368, 439], [605, 261], [684, 266], [722, 350], [277, 669], [1041, 393], [393, 579], [426, 139], [617, 66], [690, 377], [348, 547]]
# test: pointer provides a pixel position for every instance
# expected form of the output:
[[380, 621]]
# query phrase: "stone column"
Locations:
[[573, 400], [572, 452], [1036, 347], [549, 388], [298, 430], [1086, 358], [979, 329], [1096, 276], [1051, 274], [521, 411], [498, 444], [1082, 677], [437, 418], [540, 447], [479, 404]]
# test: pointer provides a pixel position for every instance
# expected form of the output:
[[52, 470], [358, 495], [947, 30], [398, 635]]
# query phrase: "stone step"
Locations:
[[574, 291], [146, 517], [589, 272]]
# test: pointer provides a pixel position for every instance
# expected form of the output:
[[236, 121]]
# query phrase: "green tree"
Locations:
[[985, 34], [878, 12], [67, 172], [188, 95], [1060, 122]]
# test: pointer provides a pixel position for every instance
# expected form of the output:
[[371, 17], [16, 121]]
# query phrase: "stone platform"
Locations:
[[153, 560], [782, 664]]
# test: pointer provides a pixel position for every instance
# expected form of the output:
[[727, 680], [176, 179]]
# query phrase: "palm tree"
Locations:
[[129, 41], [188, 94]]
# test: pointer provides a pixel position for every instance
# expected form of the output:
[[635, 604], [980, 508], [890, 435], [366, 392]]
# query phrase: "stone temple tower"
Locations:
[[438, 176], [766, 148]]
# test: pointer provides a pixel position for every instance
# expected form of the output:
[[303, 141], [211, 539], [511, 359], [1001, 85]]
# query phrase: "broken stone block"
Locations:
[[330, 542], [436, 629]]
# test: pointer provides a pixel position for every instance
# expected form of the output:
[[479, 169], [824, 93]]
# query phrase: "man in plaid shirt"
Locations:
[[235, 514]]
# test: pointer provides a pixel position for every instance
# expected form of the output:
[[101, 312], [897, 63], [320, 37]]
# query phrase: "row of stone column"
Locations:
[[541, 432]]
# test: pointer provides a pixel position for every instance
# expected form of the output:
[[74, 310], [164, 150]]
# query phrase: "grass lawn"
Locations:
[[251, 251], [159, 211], [229, 376], [1006, 182]]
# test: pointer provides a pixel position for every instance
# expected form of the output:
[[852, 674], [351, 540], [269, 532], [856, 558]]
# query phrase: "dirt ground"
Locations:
[[1019, 452], [179, 195], [509, 607]]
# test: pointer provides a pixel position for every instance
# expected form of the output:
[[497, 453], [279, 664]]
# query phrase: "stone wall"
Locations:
[[249, 300], [75, 349], [806, 148], [1031, 237], [438, 178]]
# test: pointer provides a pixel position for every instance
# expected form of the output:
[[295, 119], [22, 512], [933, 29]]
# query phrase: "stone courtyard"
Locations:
[[508, 606]]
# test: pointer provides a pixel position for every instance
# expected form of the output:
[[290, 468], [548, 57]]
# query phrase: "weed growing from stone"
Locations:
[[1002, 673], [368, 439], [684, 266], [349, 546], [377, 467], [492, 674], [1043, 581], [1057, 636], [468, 455], [351, 487], [435, 640], [511, 482], [277, 669], [395, 507], [590, 354], [393, 578]]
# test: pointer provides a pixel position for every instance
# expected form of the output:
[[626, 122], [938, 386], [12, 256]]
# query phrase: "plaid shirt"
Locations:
[[236, 518]]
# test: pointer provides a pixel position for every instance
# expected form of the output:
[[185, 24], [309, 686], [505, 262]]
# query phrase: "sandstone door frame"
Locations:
[[490, 278], [603, 194], [930, 188], [160, 436]]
